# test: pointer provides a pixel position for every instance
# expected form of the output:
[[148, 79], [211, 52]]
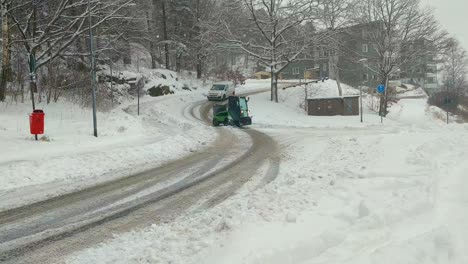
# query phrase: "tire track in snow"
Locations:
[[61, 225]]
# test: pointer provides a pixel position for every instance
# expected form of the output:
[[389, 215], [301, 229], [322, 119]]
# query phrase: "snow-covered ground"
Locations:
[[72, 158], [351, 194], [290, 112], [68, 157]]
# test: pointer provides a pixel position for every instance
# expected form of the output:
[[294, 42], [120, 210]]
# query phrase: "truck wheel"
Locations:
[[215, 122], [226, 122]]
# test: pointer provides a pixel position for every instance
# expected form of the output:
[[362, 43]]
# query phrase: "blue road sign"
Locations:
[[381, 88]]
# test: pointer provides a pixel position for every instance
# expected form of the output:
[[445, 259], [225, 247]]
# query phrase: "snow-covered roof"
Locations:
[[223, 83], [334, 97]]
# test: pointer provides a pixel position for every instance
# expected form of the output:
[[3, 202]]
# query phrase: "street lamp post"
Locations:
[[360, 97], [362, 63], [138, 88]]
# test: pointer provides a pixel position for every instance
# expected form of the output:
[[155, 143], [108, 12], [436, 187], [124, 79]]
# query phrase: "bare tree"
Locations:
[[455, 67], [47, 30], [160, 8], [270, 31], [202, 39], [394, 27], [6, 44], [334, 16]]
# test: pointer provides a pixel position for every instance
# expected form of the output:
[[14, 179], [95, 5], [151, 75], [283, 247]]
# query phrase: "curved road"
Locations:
[[46, 231]]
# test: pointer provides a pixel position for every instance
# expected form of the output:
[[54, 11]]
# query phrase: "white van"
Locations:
[[221, 91]]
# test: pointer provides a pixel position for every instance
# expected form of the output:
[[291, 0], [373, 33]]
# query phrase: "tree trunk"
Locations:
[[338, 84], [384, 98], [178, 62], [199, 66], [274, 86], [6, 51], [165, 36], [80, 47], [151, 42], [385, 110], [336, 72], [127, 55]]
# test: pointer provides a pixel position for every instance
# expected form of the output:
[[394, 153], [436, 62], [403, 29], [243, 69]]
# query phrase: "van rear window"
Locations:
[[218, 87]]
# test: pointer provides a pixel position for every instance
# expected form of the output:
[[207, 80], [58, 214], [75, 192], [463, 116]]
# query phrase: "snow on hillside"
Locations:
[[411, 91], [393, 193], [123, 76], [70, 157]]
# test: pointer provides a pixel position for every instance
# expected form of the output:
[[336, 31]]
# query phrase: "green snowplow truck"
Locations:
[[234, 112]]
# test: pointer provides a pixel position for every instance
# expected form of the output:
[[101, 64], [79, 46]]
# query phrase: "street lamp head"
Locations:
[[363, 60]]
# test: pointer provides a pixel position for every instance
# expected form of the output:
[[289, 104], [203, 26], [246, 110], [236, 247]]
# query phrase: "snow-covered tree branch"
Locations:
[[394, 27], [272, 31]]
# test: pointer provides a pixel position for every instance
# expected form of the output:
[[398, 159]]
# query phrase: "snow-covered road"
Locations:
[[91, 215], [346, 193], [73, 159]]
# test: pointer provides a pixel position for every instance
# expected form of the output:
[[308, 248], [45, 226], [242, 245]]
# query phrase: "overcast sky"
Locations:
[[453, 16]]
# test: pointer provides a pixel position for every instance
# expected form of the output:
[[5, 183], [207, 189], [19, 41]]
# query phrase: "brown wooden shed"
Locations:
[[346, 106]]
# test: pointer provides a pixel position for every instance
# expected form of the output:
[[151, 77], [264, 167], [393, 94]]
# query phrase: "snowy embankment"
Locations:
[[71, 158], [393, 193]]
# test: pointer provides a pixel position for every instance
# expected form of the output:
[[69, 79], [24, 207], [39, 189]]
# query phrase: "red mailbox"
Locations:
[[36, 122]]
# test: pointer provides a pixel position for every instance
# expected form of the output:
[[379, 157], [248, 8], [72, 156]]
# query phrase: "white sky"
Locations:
[[453, 16]]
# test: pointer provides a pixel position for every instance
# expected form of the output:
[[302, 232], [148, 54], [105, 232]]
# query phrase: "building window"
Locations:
[[365, 48], [295, 70]]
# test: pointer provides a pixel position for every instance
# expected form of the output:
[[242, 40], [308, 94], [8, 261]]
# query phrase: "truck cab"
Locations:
[[221, 91]]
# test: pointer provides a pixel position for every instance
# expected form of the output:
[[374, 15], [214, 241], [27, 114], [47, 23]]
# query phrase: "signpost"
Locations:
[[32, 84], [381, 90], [363, 63], [449, 103]]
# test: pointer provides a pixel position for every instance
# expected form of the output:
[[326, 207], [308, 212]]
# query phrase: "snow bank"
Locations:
[[124, 76], [412, 92], [377, 194], [69, 157]]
